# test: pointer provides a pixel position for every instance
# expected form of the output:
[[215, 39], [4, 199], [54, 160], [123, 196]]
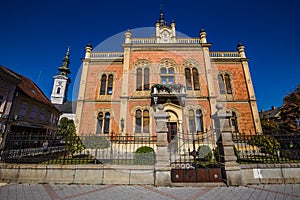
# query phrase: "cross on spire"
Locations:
[[162, 21]]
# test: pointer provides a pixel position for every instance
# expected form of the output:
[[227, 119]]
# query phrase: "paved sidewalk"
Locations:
[[119, 192]]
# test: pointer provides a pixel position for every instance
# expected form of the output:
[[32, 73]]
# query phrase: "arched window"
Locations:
[[138, 121], [99, 122], [167, 76], [142, 121], [228, 84], [224, 84], [163, 71], [199, 120], [146, 121], [106, 82], [142, 80], [234, 124], [188, 79], [221, 84], [196, 79], [106, 122], [192, 79], [139, 79], [146, 79], [171, 70], [110, 84], [58, 90], [192, 125], [103, 84]]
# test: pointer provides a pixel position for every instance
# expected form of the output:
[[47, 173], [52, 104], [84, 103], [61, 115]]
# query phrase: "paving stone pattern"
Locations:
[[122, 192]]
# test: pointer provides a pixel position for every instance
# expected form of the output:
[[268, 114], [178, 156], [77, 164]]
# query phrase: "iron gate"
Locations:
[[195, 158]]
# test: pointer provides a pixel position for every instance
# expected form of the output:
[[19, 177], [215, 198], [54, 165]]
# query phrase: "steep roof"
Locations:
[[274, 113], [29, 88], [9, 73]]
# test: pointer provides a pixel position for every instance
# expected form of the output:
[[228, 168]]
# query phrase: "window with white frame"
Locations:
[[167, 71]]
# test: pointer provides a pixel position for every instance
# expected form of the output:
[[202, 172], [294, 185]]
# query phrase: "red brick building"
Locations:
[[119, 91]]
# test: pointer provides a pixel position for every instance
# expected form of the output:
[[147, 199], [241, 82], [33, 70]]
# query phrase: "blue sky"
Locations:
[[34, 35]]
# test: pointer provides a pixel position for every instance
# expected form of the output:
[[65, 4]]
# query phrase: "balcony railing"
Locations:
[[224, 54], [160, 91], [152, 40], [107, 55], [168, 88]]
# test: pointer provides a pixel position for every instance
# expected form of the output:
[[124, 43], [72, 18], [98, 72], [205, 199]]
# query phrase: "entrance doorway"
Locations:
[[172, 130]]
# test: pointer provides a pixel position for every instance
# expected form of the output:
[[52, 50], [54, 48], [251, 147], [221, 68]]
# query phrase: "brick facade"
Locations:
[[115, 87]]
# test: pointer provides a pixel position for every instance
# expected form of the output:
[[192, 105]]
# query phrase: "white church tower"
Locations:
[[61, 82]]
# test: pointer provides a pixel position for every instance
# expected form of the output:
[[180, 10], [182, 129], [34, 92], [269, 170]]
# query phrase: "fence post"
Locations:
[[162, 174], [231, 168]]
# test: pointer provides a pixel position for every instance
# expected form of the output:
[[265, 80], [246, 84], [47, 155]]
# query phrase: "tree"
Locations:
[[269, 126], [290, 112], [67, 130]]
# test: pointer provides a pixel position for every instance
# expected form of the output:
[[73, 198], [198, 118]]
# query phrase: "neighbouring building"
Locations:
[[60, 90], [272, 114], [8, 84], [30, 113], [119, 91]]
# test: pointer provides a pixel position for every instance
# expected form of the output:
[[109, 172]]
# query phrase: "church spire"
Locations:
[[161, 20], [64, 69]]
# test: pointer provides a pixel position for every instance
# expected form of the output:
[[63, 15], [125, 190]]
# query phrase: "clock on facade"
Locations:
[[59, 83]]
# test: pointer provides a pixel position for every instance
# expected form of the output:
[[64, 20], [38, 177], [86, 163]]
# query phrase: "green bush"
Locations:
[[204, 153], [267, 143], [95, 142], [144, 156]]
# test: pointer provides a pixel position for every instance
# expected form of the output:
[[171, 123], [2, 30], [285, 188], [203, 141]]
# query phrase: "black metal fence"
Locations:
[[194, 150], [94, 149], [279, 148]]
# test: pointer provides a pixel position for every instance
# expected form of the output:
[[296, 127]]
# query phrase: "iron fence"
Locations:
[[92, 149], [194, 150], [277, 148]]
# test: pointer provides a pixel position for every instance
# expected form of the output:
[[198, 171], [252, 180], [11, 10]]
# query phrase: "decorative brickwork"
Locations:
[[181, 61]]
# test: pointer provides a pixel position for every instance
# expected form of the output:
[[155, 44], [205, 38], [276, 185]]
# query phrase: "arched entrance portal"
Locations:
[[172, 125], [174, 121]]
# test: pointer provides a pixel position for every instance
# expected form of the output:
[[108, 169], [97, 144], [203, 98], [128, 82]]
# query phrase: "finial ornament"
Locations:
[[64, 69], [89, 44], [239, 44], [68, 51], [162, 21]]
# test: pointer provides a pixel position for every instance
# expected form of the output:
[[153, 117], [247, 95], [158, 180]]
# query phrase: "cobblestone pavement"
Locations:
[[119, 192]]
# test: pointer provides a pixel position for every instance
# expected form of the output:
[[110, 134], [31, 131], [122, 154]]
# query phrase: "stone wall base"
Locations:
[[270, 173], [77, 174]]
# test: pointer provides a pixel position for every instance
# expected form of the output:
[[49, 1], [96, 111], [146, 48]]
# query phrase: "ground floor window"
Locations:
[[103, 122]]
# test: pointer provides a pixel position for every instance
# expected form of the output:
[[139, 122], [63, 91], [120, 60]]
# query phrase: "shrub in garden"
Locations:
[[267, 143], [204, 153], [144, 156]]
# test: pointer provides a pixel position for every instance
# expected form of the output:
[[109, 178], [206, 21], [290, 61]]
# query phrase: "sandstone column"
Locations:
[[162, 165], [226, 146]]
